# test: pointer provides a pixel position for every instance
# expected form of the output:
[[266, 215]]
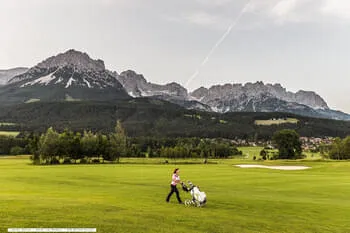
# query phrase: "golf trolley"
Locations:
[[199, 198]]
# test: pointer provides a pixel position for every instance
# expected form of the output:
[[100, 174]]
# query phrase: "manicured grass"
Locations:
[[9, 133], [131, 197], [277, 121], [250, 151]]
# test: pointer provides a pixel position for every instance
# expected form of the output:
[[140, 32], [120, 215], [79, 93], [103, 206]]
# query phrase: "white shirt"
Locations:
[[175, 179]]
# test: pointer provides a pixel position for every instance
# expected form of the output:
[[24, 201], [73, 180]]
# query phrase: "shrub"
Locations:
[[84, 161], [95, 161], [67, 161], [54, 161], [16, 150], [263, 153]]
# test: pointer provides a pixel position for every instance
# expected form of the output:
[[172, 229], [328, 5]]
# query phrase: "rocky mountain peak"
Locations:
[[131, 76], [137, 86], [76, 59], [70, 69], [237, 95], [311, 99]]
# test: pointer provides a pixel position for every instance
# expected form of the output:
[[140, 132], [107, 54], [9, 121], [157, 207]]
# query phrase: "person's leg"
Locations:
[[178, 195], [171, 193]]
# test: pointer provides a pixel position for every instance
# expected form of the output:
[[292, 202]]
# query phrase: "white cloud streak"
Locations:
[[218, 43]]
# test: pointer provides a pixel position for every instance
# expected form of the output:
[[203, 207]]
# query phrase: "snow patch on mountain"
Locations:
[[70, 81], [45, 80], [87, 83], [59, 80]]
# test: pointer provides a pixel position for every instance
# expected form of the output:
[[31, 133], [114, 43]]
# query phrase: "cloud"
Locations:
[[210, 14], [214, 2], [202, 18], [218, 14], [284, 7], [299, 11], [337, 8]]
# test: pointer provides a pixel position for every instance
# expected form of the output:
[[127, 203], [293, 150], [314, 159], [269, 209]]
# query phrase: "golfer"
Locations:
[[174, 181]]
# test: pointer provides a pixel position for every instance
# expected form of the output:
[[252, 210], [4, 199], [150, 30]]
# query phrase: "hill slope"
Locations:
[[150, 117]]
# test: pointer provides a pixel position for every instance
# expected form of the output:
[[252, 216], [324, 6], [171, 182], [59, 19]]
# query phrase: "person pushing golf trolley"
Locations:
[[199, 198]]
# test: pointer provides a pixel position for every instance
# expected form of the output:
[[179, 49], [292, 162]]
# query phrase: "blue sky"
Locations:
[[301, 44]]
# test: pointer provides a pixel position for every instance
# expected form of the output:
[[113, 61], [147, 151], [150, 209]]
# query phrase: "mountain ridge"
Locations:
[[6, 75], [75, 74]]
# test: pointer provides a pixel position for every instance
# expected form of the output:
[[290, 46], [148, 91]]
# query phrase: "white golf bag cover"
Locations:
[[198, 195], [198, 198]]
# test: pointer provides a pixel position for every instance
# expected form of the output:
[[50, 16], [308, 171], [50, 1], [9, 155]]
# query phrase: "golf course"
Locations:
[[130, 196]]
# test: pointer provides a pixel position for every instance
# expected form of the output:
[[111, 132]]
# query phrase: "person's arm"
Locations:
[[176, 179]]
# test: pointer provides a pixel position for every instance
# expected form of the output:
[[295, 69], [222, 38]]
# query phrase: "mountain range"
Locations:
[[74, 76], [6, 75]]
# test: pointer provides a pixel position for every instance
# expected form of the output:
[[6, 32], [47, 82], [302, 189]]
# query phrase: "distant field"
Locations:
[[251, 151], [193, 116], [32, 101], [7, 124], [9, 133], [70, 98], [131, 197], [311, 155], [277, 121]]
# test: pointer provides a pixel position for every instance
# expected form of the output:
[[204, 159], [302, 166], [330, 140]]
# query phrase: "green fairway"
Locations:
[[131, 197]]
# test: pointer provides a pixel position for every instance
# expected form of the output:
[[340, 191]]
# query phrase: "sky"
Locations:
[[301, 44]]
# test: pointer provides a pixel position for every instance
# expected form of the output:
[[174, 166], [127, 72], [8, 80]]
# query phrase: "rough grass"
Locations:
[[131, 197], [277, 121]]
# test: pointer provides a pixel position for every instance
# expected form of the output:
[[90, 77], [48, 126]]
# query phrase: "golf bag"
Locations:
[[199, 198]]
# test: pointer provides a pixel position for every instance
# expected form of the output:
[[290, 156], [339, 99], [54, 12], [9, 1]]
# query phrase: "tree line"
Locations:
[[54, 147], [340, 149], [144, 117], [66, 147]]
